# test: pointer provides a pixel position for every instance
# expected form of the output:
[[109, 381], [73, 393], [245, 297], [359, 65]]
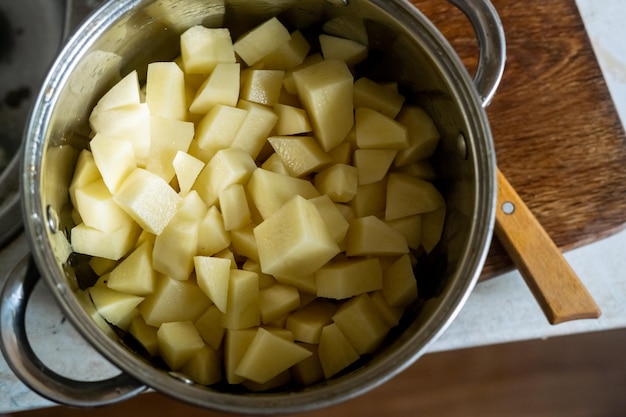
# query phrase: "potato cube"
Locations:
[[348, 278], [379, 97], [114, 306], [124, 93], [221, 87], [335, 351], [307, 322], [277, 301], [218, 128], [209, 326], [134, 275], [192, 207], [236, 345], [308, 370], [178, 342], [423, 135], [148, 199], [421, 169], [268, 355], [432, 227], [167, 137], [213, 277], [261, 86], [374, 130], [243, 242], [301, 154], [234, 207], [110, 245], [304, 283], [294, 241], [262, 40], [165, 91], [335, 221], [85, 172], [115, 159], [272, 383], [175, 247], [346, 50], [326, 91], [370, 199], [373, 164], [187, 169], [408, 195], [102, 266], [204, 367], [257, 126], [265, 280], [164, 304], [389, 314], [97, 209], [242, 306], [342, 153], [145, 335], [399, 284], [203, 48], [359, 321], [291, 120], [275, 164], [411, 229], [288, 55], [371, 236], [339, 181], [212, 236]]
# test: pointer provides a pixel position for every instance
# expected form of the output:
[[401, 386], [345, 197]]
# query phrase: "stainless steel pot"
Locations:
[[124, 35]]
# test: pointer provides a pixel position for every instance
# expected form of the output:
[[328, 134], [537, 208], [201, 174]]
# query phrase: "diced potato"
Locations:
[[370, 236], [291, 120], [167, 137], [102, 266], [268, 355], [423, 135], [294, 241], [307, 322], [274, 382], [420, 169], [110, 245], [269, 190], [275, 164], [308, 370], [288, 55], [85, 173], [163, 305], [203, 48], [262, 86], [124, 93], [399, 284], [204, 367], [244, 243], [212, 236], [114, 306], [234, 207], [342, 153], [348, 278], [217, 130], [335, 351], [347, 50], [407, 195], [178, 342], [242, 307], [115, 159], [379, 97], [361, 324], [261, 41], [213, 277], [148, 199], [289, 84], [257, 126], [335, 221], [236, 345], [304, 283], [390, 315], [326, 91], [165, 91], [277, 301], [221, 87], [432, 227], [187, 169], [373, 164], [411, 228], [265, 280], [135, 275], [97, 209], [301, 154], [145, 335], [370, 199], [339, 181], [175, 247], [209, 326], [374, 130]]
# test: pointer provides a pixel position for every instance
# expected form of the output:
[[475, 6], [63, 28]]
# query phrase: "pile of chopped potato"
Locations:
[[253, 212]]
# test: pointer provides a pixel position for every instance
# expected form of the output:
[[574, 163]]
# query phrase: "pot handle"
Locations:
[[23, 361], [491, 42]]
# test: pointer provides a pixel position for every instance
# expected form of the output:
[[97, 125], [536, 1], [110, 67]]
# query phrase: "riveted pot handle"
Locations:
[[491, 43], [23, 361]]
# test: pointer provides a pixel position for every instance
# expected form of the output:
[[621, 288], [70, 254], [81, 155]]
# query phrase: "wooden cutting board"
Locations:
[[557, 134]]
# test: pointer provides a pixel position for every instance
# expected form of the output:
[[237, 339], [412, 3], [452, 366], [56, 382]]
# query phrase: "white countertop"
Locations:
[[498, 310]]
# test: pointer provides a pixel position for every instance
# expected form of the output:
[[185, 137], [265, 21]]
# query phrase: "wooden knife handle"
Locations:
[[553, 282]]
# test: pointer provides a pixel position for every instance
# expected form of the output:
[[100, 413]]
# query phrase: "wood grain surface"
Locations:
[[558, 138]]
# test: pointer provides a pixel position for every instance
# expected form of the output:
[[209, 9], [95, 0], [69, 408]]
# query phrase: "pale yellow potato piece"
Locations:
[[85, 172], [148, 199], [217, 130], [236, 345], [114, 306], [335, 351], [277, 301], [243, 242], [124, 93], [399, 284], [213, 277], [374, 130], [294, 241], [269, 190], [164, 304], [192, 207], [308, 370], [390, 315], [242, 307], [175, 247], [178, 342], [131, 123], [326, 92], [347, 278], [134, 274], [275, 164], [379, 97], [370, 236], [370, 199], [187, 169], [307, 322], [339, 181], [433, 223], [335, 221], [275, 382], [288, 55], [291, 120], [289, 83], [212, 237], [373, 164], [361, 324], [221, 87], [347, 50], [234, 206], [257, 126], [115, 159], [407, 195], [410, 227], [203, 48], [102, 266], [304, 283], [165, 90], [261, 86], [97, 209], [228, 166], [423, 135], [342, 153], [145, 335], [265, 280], [269, 355], [421, 169], [301, 154], [167, 137], [110, 245], [209, 326], [262, 40], [204, 367]]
